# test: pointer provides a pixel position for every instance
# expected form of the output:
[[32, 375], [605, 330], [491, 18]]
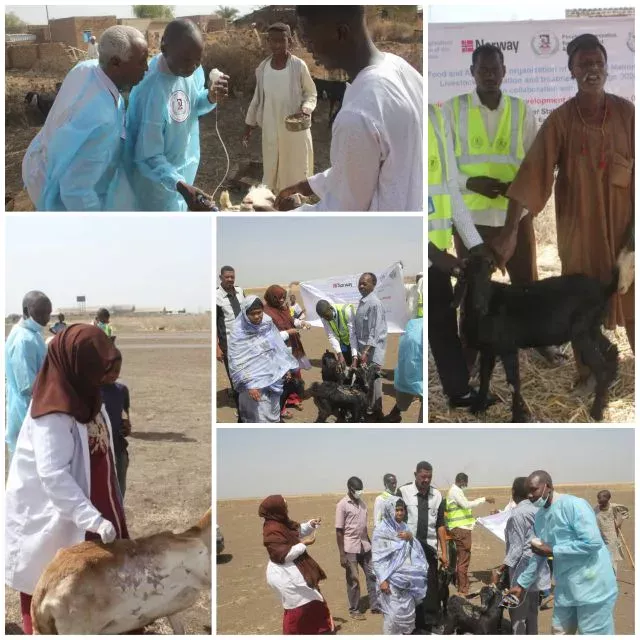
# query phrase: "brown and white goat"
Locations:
[[95, 588]]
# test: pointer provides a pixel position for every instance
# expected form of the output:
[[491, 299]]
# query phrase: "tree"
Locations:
[[13, 24], [228, 13], [153, 11]]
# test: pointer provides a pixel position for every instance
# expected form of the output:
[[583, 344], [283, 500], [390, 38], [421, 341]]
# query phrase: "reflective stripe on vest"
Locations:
[[339, 324], [456, 516], [441, 219], [477, 156]]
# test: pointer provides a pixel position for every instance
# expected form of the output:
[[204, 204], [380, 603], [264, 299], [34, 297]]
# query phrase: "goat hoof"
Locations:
[[522, 418], [597, 414]]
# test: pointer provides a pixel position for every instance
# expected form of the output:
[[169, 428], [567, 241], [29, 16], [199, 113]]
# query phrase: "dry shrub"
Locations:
[[389, 30], [237, 53]]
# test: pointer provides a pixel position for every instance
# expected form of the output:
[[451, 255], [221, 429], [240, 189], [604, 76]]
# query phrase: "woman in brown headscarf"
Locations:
[[292, 572], [277, 309], [62, 487]]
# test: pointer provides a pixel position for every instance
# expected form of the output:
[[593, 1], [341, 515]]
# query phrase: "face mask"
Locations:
[[541, 501], [357, 494], [30, 323]]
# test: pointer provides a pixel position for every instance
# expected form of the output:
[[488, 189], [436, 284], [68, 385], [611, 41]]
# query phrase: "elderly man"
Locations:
[[589, 142], [376, 142], [73, 163], [370, 328], [565, 527], [163, 131], [25, 351]]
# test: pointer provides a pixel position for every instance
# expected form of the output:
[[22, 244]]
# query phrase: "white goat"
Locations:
[[259, 198], [94, 588]]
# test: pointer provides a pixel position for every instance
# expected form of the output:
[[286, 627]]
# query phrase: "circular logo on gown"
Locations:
[[179, 107]]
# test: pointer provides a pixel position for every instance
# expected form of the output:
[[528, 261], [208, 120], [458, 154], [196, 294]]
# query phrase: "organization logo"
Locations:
[[341, 285], [179, 106], [631, 41], [477, 142], [434, 163], [467, 46], [501, 144], [545, 44]]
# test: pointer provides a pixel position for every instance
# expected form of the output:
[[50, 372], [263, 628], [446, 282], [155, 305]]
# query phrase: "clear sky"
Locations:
[[509, 11], [146, 261], [270, 250], [260, 462], [36, 14]]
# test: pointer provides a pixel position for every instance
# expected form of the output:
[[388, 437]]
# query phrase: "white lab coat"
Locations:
[[47, 496]]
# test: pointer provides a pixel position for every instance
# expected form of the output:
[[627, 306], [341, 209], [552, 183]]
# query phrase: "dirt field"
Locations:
[[315, 344], [169, 378], [247, 605], [226, 54], [546, 389]]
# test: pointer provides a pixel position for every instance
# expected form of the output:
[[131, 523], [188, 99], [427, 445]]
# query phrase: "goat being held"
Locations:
[[500, 319], [464, 617]]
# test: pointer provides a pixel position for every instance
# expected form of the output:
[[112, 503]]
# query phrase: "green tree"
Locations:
[[13, 24], [153, 11], [228, 13]]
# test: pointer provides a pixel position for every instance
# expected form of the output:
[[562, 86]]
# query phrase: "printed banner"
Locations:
[[344, 289], [535, 57], [495, 523]]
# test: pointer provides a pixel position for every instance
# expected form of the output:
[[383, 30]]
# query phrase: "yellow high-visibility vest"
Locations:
[[339, 323], [456, 516], [476, 155], [440, 216], [419, 311]]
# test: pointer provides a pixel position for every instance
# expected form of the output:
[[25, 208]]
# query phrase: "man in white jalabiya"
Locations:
[[284, 88]]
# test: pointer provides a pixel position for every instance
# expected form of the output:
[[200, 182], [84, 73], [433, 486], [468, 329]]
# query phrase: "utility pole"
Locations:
[[48, 24]]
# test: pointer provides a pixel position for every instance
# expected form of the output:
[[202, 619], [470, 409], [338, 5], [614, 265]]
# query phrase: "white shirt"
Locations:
[[491, 120], [457, 495], [93, 51], [222, 300], [333, 339], [462, 220], [287, 580], [50, 480], [376, 143]]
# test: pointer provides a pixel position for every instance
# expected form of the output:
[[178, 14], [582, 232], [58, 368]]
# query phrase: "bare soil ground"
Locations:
[[169, 477], [547, 389], [247, 605], [315, 344]]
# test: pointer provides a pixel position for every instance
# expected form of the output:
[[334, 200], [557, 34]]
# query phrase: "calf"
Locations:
[[95, 588], [500, 319], [464, 617], [332, 90]]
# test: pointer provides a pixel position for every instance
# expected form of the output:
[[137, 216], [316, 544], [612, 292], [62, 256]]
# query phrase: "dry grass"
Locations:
[[547, 390], [389, 30]]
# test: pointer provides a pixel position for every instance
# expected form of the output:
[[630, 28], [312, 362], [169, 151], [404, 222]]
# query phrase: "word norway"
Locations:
[[507, 45]]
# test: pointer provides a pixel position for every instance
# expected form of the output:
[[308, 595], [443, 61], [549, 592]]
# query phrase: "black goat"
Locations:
[[500, 319], [42, 102], [445, 578], [332, 90], [342, 401], [331, 370], [464, 617]]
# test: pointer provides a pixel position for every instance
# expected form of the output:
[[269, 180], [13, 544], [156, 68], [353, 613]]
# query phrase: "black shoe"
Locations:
[[470, 399]]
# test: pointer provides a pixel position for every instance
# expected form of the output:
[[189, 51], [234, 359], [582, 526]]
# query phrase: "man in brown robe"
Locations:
[[590, 141]]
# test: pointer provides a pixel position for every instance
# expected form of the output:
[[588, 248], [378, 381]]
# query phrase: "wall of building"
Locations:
[[70, 30]]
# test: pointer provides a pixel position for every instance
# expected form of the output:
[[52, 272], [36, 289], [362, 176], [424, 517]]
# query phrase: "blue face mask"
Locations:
[[30, 323], [541, 501]]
